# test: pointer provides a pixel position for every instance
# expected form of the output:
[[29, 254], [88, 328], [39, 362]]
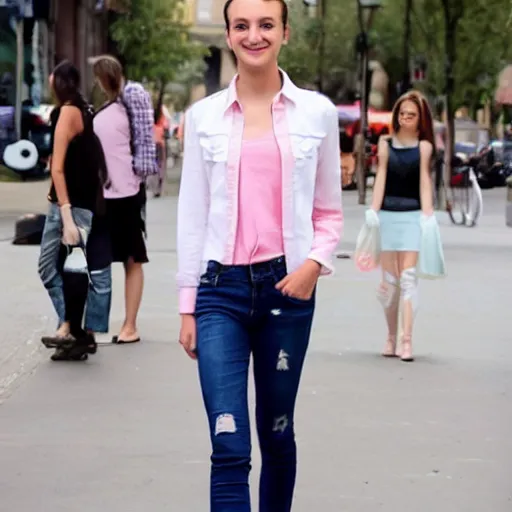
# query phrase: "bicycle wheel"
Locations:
[[476, 201], [457, 204], [464, 201]]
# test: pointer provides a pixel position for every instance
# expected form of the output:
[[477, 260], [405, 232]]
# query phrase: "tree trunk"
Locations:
[[321, 12], [406, 81]]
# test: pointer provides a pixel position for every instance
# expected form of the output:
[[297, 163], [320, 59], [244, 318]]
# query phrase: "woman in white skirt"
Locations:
[[401, 194]]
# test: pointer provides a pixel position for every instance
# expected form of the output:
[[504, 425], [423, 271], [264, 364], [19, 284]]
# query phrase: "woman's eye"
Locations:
[[240, 26], [268, 26]]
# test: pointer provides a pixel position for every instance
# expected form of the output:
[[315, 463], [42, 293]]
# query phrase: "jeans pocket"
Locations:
[[301, 302], [208, 279]]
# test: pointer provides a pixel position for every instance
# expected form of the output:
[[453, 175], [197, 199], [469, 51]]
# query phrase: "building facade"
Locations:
[[207, 25], [52, 30]]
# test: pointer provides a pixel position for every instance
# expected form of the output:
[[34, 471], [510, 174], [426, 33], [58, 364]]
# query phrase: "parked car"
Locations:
[[35, 139]]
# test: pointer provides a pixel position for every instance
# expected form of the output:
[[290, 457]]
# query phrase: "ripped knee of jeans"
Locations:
[[409, 286], [225, 424], [388, 291], [280, 424]]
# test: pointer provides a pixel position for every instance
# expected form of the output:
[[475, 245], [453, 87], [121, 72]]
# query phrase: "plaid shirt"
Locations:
[[138, 101]]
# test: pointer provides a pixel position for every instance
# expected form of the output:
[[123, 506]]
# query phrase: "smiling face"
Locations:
[[409, 115], [256, 31]]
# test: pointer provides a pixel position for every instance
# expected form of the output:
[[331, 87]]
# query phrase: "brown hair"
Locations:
[[284, 16], [425, 121], [66, 82], [109, 72]]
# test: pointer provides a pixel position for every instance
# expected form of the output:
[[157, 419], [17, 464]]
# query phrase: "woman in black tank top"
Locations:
[[401, 194], [76, 203]]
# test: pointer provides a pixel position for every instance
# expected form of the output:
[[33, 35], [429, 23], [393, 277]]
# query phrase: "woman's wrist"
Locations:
[[314, 265], [66, 215]]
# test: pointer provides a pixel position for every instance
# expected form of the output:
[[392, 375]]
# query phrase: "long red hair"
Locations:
[[425, 122]]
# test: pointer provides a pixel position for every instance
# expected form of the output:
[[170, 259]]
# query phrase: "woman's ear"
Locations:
[[228, 41], [286, 35]]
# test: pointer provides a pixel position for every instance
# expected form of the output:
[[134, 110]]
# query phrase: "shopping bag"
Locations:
[[76, 258], [431, 263], [367, 253]]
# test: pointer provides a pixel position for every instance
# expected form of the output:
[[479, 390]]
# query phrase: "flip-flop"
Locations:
[[117, 341]]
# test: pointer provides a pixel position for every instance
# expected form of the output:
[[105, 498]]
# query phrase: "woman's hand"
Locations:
[[70, 233], [301, 283], [188, 335], [371, 218]]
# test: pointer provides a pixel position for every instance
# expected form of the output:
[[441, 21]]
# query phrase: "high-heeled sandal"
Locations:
[[390, 348], [406, 352]]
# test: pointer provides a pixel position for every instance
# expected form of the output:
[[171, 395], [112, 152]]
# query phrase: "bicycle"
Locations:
[[464, 201]]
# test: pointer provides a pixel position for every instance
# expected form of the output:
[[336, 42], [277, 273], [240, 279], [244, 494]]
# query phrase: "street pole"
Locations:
[[361, 155], [19, 75], [363, 48]]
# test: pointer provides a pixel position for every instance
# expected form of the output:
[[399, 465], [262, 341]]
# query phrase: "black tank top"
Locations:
[[402, 191], [81, 171]]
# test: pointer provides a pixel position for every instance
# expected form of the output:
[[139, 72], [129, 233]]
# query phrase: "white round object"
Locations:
[[21, 156]]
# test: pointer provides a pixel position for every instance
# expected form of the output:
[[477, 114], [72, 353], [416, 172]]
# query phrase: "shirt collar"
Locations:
[[289, 91]]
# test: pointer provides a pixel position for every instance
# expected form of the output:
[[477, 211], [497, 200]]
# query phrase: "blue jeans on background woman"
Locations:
[[97, 309]]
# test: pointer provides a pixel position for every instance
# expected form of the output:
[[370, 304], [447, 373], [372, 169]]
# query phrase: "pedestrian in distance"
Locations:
[[402, 193], [124, 126], [75, 254]]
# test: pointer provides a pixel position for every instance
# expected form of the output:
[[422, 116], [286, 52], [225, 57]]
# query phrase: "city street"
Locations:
[[126, 432]]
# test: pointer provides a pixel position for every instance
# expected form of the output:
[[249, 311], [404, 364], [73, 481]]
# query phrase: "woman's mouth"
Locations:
[[255, 51]]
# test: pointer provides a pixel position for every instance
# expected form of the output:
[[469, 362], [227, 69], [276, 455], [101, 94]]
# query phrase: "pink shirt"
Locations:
[[306, 130], [112, 127], [259, 235]]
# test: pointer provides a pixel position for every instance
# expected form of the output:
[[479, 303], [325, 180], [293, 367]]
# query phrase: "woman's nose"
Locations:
[[254, 36]]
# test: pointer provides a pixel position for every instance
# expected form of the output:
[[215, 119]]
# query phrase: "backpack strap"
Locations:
[[130, 122]]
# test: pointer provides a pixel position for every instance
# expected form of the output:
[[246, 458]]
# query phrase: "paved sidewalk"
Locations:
[[126, 430]]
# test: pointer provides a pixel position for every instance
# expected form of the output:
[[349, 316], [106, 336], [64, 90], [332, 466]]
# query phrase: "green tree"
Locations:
[[472, 35], [154, 39], [304, 58]]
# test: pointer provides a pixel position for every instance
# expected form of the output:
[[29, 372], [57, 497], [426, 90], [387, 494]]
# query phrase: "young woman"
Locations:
[[74, 220], [402, 193], [112, 125], [160, 129], [259, 218]]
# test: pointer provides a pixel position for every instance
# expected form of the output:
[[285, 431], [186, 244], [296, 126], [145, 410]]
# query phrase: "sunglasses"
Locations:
[[408, 115]]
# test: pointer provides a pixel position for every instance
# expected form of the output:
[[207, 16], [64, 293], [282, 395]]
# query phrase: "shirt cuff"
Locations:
[[187, 300], [327, 268]]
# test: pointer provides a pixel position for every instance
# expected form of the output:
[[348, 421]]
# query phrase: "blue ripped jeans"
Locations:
[[239, 312], [97, 309]]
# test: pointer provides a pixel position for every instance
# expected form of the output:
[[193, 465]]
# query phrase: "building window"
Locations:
[[204, 11]]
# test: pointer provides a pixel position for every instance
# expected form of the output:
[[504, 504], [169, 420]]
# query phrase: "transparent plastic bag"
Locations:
[[367, 253], [431, 264]]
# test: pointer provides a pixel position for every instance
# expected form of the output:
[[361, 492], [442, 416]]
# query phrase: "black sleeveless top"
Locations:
[[402, 191], [82, 163]]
